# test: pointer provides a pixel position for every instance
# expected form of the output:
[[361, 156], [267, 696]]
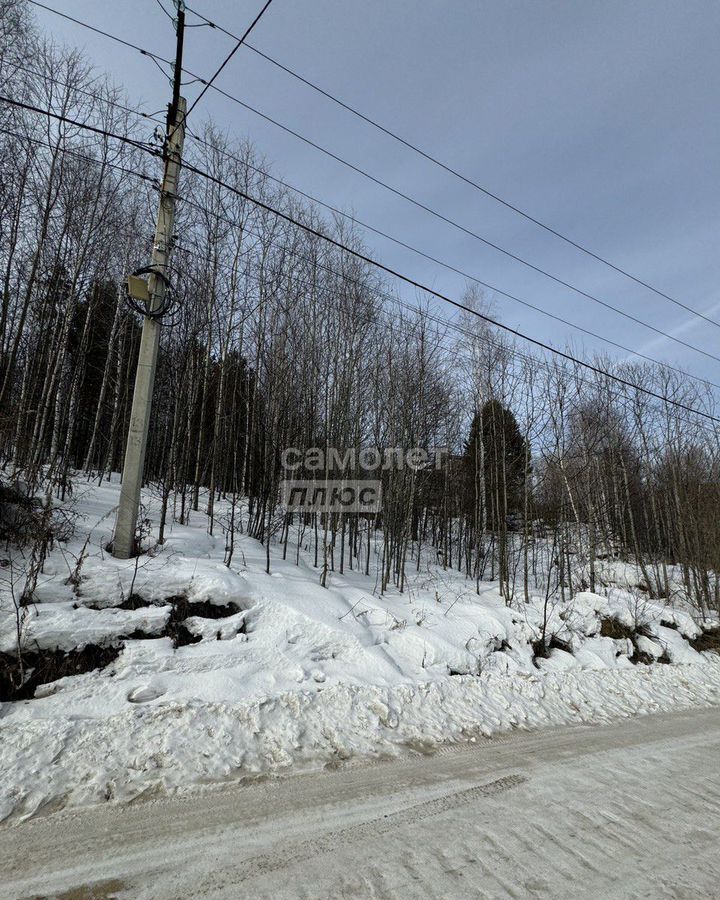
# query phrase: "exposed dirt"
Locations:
[[708, 640], [617, 630], [135, 601], [204, 608], [19, 679], [183, 609], [44, 666], [543, 648]]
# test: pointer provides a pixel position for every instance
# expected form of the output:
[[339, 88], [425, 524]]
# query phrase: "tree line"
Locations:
[[277, 339]]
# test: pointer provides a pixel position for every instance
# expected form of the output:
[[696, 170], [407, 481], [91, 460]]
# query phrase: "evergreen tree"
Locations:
[[495, 460]]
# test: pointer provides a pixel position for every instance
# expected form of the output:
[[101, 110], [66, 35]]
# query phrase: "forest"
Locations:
[[276, 338]]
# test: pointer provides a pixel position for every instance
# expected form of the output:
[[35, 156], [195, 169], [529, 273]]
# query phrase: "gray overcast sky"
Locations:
[[597, 116]]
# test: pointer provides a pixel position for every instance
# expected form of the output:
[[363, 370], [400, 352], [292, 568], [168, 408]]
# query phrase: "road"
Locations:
[[629, 810]]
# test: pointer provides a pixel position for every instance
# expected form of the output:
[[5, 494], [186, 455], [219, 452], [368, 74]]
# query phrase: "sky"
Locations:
[[598, 118]]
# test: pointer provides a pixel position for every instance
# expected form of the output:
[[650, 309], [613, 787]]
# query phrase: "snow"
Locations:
[[67, 626], [625, 810], [302, 676]]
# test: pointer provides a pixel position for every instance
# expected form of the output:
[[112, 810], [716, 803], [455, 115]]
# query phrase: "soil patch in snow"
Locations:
[[640, 638], [20, 678], [182, 610], [47, 666], [708, 640]]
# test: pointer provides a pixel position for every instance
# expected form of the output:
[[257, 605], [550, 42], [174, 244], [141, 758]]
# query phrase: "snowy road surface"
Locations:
[[626, 810]]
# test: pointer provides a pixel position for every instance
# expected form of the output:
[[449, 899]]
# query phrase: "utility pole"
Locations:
[[134, 463]]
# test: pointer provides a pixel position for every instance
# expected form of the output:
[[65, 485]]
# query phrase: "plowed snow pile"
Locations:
[[223, 673]]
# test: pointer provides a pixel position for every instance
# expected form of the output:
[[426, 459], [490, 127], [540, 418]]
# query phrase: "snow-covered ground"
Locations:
[[298, 675], [627, 810]]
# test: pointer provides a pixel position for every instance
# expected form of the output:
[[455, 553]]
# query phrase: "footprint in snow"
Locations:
[[145, 693]]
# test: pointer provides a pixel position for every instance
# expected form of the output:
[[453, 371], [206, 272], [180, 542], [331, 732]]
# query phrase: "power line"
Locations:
[[366, 259], [445, 322], [83, 156], [416, 284], [484, 338], [604, 303], [447, 168], [396, 240], [451, 268], [230, 55], [407, 197], [151, 117], [105, 34], [103, 132], [169, 15], [412, 329]]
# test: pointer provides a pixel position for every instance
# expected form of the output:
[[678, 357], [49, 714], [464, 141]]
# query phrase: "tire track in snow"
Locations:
[[302, 850], [630, 810]]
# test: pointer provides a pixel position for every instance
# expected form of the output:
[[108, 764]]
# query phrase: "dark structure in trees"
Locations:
[[496, 467]]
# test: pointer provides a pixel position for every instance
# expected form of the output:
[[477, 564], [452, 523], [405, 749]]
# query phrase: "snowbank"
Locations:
[[171, 745], [297, 675]]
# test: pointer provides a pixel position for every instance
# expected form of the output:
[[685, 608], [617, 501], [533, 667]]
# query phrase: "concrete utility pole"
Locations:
[[134, 464]]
